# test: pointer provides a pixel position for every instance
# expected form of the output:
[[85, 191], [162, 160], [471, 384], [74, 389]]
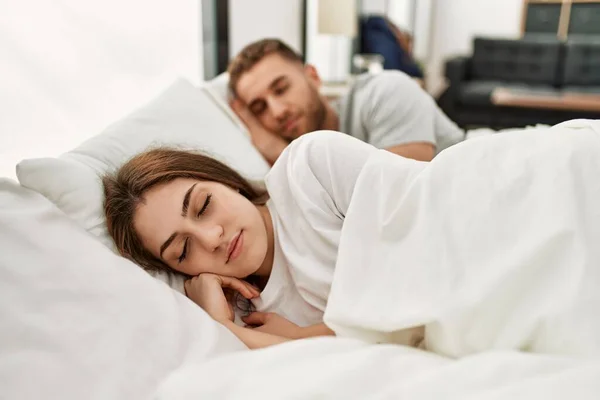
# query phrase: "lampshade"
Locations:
[[337, 17]]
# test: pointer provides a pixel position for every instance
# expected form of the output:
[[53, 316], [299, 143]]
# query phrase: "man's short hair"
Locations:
[[253, 53]]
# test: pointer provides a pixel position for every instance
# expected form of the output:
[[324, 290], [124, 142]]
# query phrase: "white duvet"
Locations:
[[495, 244], [494, 247], [327, 368]]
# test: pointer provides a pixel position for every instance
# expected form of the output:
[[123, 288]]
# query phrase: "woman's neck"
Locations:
[[264, 271]]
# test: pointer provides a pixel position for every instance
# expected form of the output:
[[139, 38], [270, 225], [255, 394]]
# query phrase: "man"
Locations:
[[277, 96]]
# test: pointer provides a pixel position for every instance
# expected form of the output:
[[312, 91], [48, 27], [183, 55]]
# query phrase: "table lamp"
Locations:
[[338, 18]]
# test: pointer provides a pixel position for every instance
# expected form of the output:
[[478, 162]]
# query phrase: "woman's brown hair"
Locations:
[[125, 189]]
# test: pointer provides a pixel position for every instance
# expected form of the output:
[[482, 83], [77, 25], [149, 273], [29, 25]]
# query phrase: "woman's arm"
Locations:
[[316, 330], [206, 290], [254, 339], [257, 339], [274, 324]]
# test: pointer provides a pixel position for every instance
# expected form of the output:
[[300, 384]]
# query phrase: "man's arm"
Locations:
[[417, 151], [267, 143], [398, 115]]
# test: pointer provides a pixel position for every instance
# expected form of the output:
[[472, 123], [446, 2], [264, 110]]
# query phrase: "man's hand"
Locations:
[[416, 151], [269, 144], [206, 290]]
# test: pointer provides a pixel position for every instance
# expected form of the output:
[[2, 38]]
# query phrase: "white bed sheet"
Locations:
[[333, 368]]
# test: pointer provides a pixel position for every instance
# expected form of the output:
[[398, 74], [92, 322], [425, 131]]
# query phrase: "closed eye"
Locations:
[[257, 108], [184, 252], [280, 90], [205, 206]]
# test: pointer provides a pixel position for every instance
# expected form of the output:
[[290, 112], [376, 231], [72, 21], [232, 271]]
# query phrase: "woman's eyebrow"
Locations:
[[186, 200], [167, 243], [184, 209]]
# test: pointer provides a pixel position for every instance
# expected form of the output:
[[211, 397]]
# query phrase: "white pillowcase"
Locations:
[[78, 321], [183, 116]]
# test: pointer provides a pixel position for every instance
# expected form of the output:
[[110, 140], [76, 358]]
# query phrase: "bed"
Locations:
[[79, 321]]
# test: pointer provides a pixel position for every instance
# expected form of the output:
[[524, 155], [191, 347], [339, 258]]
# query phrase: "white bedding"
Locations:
[[327, 368], [492, 245], [79, 322]]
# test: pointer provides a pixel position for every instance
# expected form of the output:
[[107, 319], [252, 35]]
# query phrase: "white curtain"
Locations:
[[70, 67]]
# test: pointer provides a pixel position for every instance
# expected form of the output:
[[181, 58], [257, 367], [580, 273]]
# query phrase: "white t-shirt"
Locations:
[[310, 188], [390, 109]]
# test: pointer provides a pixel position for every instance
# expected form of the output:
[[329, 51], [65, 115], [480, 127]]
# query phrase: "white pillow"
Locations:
[[184, 116], [78, 321], [218, 89]]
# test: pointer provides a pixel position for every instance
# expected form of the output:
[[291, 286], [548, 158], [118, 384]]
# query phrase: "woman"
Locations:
[[169, 209], [491, 245]]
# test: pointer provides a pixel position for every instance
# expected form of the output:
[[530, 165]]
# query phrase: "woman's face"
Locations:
[[201, 226]]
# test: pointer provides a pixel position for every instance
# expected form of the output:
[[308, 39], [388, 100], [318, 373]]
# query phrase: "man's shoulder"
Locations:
[[372, 87], [386, 86], [384, 79]]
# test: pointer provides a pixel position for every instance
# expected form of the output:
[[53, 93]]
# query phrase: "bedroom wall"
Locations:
[[456, 22], [256, 19], [69, 68]]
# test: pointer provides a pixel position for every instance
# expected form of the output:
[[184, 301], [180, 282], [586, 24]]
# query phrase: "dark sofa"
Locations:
[[535, 65]]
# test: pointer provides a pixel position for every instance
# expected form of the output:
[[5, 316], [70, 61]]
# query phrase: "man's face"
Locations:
[[284, 96]]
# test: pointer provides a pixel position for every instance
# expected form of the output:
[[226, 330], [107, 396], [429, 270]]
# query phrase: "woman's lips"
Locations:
[[235, 246]]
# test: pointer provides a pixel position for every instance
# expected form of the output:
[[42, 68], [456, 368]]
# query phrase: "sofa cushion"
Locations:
[[584, 18], [590, 90], [582, 62], [542, 18], [529, 60], [477, 93]]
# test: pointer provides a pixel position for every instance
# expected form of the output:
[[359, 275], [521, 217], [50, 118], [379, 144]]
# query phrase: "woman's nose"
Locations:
[[211, 237]]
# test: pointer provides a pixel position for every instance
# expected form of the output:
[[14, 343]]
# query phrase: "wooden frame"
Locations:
[[565, 18], [565, 14], [559, 101]]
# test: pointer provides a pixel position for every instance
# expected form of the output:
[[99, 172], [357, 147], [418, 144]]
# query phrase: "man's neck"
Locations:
[[332, 119]]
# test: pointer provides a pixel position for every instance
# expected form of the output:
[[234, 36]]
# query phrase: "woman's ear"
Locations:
[[313, 75]]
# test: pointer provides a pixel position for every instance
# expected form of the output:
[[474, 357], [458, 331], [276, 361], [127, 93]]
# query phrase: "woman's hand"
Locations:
[[273, 324], [206, 290]]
